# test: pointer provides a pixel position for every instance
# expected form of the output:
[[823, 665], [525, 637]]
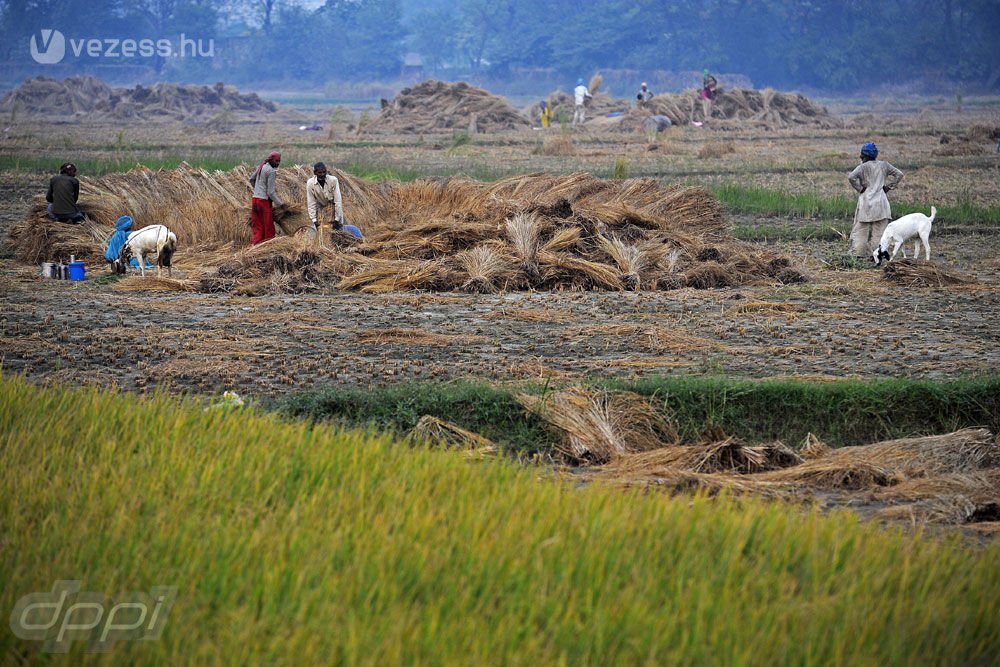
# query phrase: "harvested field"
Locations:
[[86, 95], [434, 106]]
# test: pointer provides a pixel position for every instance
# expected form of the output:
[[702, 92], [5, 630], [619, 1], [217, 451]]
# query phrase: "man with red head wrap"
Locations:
[[265, 198]]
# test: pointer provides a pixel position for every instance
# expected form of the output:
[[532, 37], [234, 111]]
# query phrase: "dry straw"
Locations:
[[597, 426], [537, 231], [447, 434]]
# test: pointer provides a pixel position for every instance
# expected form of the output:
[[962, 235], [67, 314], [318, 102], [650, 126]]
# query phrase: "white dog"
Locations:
[[913, 226], [154, 240]]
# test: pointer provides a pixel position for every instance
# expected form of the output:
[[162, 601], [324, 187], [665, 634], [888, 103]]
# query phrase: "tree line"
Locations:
[[835, 45]]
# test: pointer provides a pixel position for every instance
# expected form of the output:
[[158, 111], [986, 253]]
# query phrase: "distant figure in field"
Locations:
[[644, 95], [64, 192], [708, 92], [322, 191], [265, 198], [871, 179], [545, 111], [580, 97]]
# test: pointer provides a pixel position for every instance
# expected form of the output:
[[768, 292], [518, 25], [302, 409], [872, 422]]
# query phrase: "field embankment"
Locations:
[[301, 544]]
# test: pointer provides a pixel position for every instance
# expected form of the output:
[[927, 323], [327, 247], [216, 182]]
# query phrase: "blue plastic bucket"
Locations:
[[351, 229], [77, 270]]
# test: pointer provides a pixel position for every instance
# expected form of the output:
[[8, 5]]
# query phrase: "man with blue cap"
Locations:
[[580, 97], [871, 179]]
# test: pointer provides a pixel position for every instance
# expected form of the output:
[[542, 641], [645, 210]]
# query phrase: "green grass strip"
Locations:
[[846, 412], [296, 544], [752, 200]]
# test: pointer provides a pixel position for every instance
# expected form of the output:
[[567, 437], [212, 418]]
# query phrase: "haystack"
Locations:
[[536, 231], [438, 106], [735, 107], [91, 96]]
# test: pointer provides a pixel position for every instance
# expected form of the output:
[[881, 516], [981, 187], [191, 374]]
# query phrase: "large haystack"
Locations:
[[437, 106], [93, 97], [735, 107], [536, 231]]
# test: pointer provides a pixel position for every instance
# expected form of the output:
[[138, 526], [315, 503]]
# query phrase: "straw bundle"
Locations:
[[730, 455], [917, 273], [597, 426], [447, 434], [886, 463]]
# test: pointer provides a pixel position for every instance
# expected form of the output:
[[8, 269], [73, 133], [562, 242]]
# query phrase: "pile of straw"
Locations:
[[438, 106], [91, 96], [738, 107], [917, 273], [596, 426], [536, 231], [953, 477]]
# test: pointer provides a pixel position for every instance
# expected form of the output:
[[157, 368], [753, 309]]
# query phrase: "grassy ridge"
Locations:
[[303, 545], [845, 412], [752, 200]]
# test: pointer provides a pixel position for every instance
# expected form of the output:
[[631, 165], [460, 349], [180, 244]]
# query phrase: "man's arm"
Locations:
[[892, 177], [76, 191], [48, 195], [338, 202], [854, 178], [311, 203], [272, 188]]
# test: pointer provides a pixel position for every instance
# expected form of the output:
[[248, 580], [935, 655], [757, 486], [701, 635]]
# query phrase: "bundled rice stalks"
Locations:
[[737, 107], [483, 264], [447, 434], [597, 426], [813, 447], [887, 463], [438, 106], [537, 231], [916, 273], [730, 455], [823, 473], [90, 96]]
